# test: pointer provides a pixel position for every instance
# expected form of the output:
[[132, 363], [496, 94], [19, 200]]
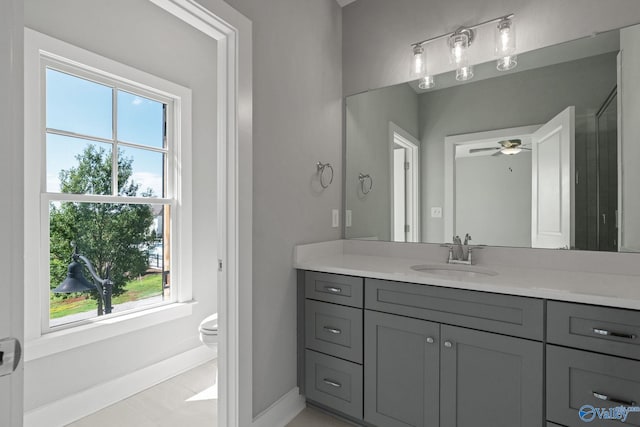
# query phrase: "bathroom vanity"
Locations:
[[385, 345]]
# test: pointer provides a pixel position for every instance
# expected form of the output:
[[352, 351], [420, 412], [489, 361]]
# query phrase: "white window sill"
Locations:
[[102, 329]]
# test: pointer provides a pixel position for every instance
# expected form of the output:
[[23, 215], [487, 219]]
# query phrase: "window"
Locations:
[[103, 166]]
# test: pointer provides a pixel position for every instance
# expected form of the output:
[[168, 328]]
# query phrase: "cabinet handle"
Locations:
[[611, 399], [448, 344], [606, 333], [333, 289], [332, 383], [430, 340], [333, 330]]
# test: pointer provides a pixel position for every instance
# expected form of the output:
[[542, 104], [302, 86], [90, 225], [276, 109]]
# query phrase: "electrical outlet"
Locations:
[[335, 218], [347, 220], [436, 212]]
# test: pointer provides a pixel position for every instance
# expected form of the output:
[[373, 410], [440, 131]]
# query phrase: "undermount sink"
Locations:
[[454, 270]]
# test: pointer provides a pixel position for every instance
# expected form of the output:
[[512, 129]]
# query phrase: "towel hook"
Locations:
[[364, 178], [322, 167]]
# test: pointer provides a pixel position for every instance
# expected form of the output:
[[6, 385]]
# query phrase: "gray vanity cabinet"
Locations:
[[401, 366], [420, 373], [330, 342], [602, 371], [489, 380]]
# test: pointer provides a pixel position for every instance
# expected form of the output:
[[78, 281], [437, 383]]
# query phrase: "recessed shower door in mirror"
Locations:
[[537, 187]]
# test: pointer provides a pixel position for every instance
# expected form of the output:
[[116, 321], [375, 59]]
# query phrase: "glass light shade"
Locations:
[[505, 38], [507, 63], [511, 151], [418, 62], [458, 46], [426, 82], [464, 73]]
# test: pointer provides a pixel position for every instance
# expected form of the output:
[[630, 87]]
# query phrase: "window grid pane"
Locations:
[[142, 122], [78, 105], [134, 239]]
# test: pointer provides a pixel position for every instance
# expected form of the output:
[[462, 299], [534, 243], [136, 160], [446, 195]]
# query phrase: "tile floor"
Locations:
[[188, 400]]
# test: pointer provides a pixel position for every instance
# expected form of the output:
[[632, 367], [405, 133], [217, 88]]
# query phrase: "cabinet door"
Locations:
[[489, 380], [401, 364]]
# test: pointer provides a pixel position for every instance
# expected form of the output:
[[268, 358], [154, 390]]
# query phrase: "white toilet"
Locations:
[[209, 332]]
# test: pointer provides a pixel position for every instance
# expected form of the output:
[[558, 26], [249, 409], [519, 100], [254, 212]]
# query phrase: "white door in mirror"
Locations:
[[552, 203]]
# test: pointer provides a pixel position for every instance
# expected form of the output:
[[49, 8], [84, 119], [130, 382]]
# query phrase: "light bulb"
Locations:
[[458, 44], [418, 62], [505, 35]]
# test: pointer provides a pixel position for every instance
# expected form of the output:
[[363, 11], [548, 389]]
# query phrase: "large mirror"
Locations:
[[545, 155]]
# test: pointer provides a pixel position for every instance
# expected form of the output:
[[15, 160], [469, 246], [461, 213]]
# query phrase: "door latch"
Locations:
[[10, 353]]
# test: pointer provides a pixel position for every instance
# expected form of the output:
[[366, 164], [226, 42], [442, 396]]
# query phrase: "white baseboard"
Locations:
[[282, 411], [72, 408]]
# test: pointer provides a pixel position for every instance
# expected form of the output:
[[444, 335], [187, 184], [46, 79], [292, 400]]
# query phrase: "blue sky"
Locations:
[[84, 107]]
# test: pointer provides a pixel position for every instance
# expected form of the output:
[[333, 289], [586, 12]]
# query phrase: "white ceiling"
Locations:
[[343, 3]]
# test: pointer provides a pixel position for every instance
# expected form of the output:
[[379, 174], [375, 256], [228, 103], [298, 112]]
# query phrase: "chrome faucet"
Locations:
[[460, 253]]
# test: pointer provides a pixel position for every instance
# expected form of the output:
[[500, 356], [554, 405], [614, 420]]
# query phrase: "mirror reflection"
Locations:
[[532, 157]]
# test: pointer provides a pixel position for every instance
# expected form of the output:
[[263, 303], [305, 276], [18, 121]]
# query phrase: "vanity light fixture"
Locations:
[[505, 33], [459, 42]]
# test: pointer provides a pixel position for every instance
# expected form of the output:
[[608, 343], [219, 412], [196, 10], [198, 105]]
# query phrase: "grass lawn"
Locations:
[[147, 286]]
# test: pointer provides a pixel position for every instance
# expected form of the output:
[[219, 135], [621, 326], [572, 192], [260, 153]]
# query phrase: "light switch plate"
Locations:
[[347, 219], [436, 212], [335, 218]]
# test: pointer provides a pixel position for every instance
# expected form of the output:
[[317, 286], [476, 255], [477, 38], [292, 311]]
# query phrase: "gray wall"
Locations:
[[142, 35], [377, 33], [493, 199], [518, 99], [367, 127], [297, 111]]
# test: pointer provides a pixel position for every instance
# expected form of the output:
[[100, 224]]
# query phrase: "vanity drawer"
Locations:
[[576, 377], [334, 382], [334, 329], [505, 314], [345, 290], [602, 329]]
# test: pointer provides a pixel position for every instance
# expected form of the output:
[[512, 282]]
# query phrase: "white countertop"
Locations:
[[615, 290]]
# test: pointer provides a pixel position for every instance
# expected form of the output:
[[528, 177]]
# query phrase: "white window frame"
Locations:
[[40, 51]]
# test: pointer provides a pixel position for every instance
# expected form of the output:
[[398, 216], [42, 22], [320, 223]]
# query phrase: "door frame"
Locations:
[[455, 142], [412, 147], [232, 31], [12, 193]]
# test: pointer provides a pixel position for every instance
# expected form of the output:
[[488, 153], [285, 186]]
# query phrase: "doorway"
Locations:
[[222, 24], [405, 185]]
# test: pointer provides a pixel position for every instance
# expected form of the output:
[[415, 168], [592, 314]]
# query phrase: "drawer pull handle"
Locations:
[[606, 333], [430, 340], [448, 344], [333, 289], [611, 399], [333, 330], [332, 383]]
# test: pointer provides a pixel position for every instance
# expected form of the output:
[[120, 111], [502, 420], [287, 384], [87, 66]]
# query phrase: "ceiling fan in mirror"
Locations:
[[507, 146]]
